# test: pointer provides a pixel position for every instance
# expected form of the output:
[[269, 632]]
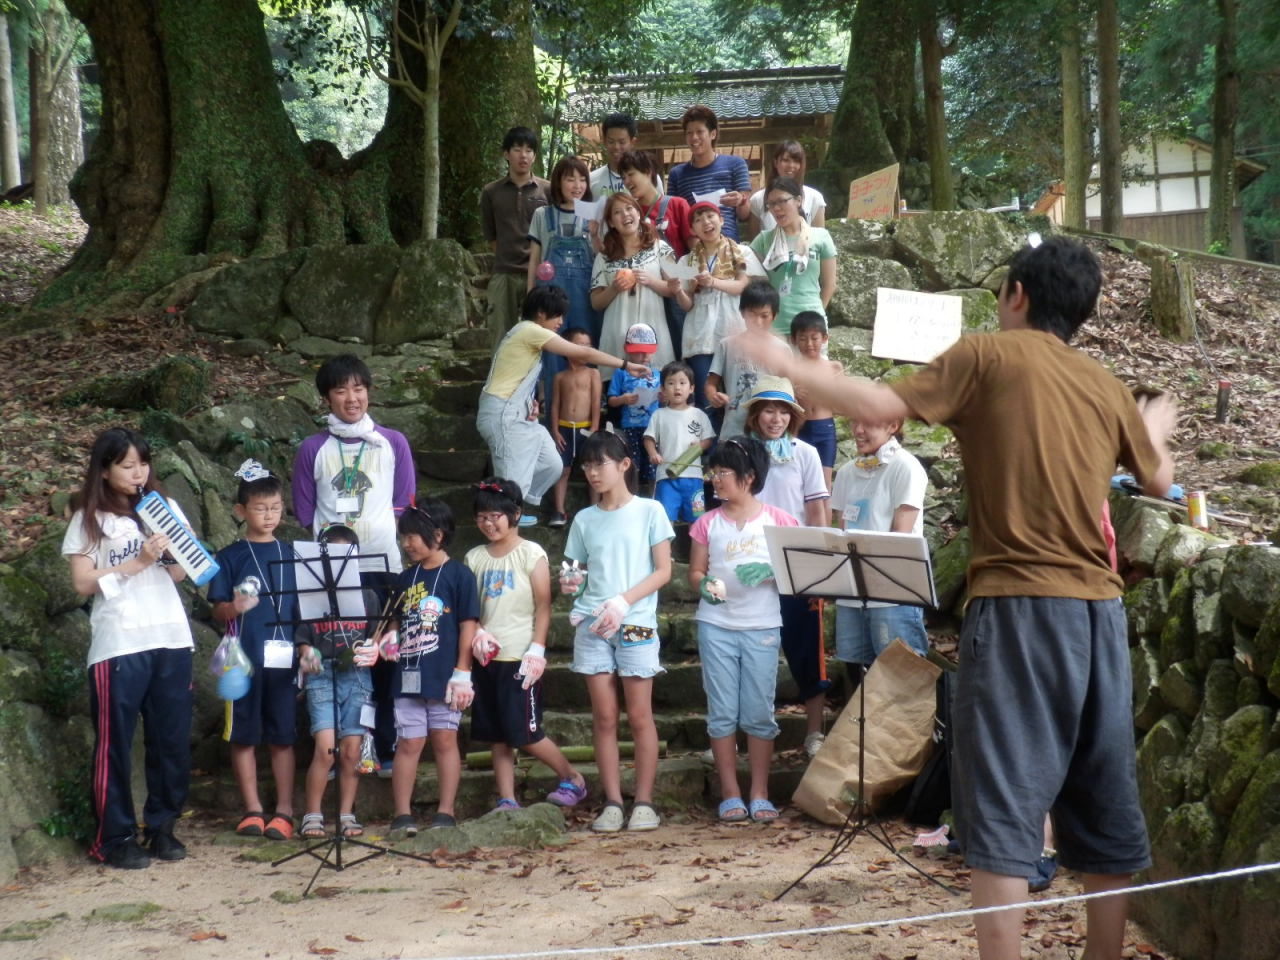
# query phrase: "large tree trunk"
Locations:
[[42, 81], [1226, 83], [66, 135], [942, 193], [10, 168], [1112, 154], [196, 156], [1075, 121]]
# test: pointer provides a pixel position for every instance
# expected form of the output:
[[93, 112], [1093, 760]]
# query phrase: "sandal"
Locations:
[[506, 803], [251, 825], [313, 827], [568, 794], [762, 810], [610, 819], [279, 827], [732, 810], [406, 823], [349, 826], [644, 816]]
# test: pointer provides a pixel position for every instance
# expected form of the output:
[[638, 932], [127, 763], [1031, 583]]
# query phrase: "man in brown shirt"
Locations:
[[1042, 719], [506, 208]]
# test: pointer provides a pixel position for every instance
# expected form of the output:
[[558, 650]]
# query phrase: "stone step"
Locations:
[[473, 365], [453, 466], [683, 783]]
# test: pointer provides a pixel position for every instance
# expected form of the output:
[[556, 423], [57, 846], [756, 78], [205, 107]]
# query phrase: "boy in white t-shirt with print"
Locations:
[[672, 432]]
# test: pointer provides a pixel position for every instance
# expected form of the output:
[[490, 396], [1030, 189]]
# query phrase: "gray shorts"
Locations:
[[1043, 722]]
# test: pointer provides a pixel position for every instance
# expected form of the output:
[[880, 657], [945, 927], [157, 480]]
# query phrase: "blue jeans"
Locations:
[[739, 675], [355, 691], [860, 639]]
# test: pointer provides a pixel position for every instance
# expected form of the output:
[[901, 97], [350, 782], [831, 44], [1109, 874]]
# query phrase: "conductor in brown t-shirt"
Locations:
[[1042, 719]]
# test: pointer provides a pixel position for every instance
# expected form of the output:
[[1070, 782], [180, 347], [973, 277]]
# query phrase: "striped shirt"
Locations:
[[724, 172]]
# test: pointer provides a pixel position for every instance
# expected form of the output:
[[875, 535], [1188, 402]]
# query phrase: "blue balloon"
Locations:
[[233, 684]]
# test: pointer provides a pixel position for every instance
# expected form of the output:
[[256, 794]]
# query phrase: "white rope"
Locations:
[[869, 924]]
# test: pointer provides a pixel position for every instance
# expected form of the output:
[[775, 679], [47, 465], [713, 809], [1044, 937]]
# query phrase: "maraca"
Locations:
[[233, 684], [391, 646], [546, 271]]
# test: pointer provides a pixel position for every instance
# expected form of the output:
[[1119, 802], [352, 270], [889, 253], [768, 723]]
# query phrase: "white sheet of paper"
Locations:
[[914, 327], [678, 271], [589, 209], [344, 564], [277, 654], [646, 396], [712, 197], [813, 561], [369, 716]]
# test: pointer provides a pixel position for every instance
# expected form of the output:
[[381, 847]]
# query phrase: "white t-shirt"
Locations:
[[674, 431], [616, 547], [738, 374], [133, 614], [605, 182], [867, 499], [813, 202], [789, 486], [506, 595], [728, 547]]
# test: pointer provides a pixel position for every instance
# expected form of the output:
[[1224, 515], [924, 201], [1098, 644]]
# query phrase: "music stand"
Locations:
[[868, 566], [333, 591]]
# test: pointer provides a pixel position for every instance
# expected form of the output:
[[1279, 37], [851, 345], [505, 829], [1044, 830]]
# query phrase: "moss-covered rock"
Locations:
[[1265, 474], [229, 427], [861, 238], [428, 297], [1161, 786], [1177, 639], [1181, 547], [1138, 538], [22, 612], [1146, 604], [978, 313], [322, 348], [924, 442], [1215, 450], [853, 304], [1266, 642], [1181, 687], [45, 566], [852, 347], [955, 248], [245, 299], [1148, 705], [1187, 844], [123, 912], [1251, 582], [1246, 916], [1220, 687], [1236, 756], [35, 848], [1257, 813], [951, 568], [536, 826], [339, 291], [19, 676]]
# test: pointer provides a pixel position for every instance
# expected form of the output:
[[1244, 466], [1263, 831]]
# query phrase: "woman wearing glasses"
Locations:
[[788, 161], [800, 259]]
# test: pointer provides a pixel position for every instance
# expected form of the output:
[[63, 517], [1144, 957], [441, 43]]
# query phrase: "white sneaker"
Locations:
[[611, 819], [709, 759], [813, 743], [644, 817]]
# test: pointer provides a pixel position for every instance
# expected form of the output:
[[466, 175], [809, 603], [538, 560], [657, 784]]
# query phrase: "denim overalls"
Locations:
[[571, 257]]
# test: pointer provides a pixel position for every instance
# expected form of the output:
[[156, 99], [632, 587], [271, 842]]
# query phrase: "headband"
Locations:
[[252, 470]]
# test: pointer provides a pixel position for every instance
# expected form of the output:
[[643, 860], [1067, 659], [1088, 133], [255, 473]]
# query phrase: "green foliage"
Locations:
[[256, 447], [74, 816], [63, 680]]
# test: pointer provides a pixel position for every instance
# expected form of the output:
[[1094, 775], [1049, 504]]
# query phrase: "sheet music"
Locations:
[[645, 396], [814, 561], [712, 197], [589, 209], [678, 271], [344, 561]]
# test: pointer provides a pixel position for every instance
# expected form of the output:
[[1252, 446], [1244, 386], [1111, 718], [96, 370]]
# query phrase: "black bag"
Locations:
[[931, 794]]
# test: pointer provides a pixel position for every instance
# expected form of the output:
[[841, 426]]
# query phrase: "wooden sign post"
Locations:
[[914, 327], [875, 196]]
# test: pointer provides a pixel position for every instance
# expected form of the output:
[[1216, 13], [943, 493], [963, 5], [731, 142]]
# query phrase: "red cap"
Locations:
[[702, 205]]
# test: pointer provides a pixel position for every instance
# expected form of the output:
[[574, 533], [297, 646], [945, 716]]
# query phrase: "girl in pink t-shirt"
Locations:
[[739, 621]]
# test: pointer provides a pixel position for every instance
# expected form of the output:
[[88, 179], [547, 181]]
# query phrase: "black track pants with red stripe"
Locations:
[[156, 685]]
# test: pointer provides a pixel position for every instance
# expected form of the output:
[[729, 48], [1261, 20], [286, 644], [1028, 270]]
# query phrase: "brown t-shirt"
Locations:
[[505, 212], [1041, 428]]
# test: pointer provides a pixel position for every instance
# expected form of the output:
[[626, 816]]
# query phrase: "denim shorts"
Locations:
[[860, 638], [739, 675], [355, 691], [631, 652], [416, 717]]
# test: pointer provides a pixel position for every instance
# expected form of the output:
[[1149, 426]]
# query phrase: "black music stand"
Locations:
[[327, 570], [866, 566]]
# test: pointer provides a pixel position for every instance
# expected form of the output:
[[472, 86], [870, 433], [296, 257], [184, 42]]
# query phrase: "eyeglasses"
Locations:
[[261, 511], [778, 204], [597, 466], [718, 475], [491, 519]]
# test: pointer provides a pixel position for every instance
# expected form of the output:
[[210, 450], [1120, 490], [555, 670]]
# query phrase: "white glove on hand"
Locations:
[[459, 693], [366, 654], [389, 648], [531, 667], [609, 617], [573, 579], [484, 647], [310, 663]]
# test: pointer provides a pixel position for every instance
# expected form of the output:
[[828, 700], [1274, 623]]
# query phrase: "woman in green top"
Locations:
[[800, 259]]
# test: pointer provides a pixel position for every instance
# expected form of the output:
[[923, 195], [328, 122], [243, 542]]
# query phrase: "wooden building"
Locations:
[[1166, 194], [756, 110]]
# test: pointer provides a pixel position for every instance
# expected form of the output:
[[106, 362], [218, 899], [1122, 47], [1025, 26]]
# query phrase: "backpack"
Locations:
[[931, 793]]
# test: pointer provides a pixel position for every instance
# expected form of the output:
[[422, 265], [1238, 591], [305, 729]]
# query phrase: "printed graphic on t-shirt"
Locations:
[[351, 486], [740, 548], [694, 427], [494, 582], [420, 615], [131, 550], [747, 377]]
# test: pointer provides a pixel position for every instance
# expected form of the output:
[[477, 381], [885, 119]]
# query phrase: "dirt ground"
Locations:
[[684, 881]]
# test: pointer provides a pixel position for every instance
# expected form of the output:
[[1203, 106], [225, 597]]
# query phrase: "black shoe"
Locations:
[[1046, 869], [127, 855], [165, 846]]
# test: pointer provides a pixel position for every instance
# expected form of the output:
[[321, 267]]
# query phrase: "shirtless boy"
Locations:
[[575, 415], [809, 337]]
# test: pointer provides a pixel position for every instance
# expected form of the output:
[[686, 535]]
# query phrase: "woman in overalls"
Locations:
[[561, 253]]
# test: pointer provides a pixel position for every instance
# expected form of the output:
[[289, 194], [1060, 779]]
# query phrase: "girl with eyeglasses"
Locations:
[[800, 259], [788, 161]]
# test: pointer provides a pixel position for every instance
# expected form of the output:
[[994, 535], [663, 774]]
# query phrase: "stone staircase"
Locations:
[[449, 457]]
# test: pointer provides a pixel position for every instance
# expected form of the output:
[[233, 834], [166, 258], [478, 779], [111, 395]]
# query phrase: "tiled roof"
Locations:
[[732, 94]]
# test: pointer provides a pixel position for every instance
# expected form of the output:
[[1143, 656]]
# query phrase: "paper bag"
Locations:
[[901, 700]]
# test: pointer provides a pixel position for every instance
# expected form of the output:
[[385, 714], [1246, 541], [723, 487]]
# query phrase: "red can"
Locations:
[[1198, 510]]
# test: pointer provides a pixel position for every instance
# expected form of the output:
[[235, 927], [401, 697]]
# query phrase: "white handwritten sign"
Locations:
[[914, 327]]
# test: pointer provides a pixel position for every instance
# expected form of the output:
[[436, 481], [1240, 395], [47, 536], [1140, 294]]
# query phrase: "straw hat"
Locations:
[[777, 389]]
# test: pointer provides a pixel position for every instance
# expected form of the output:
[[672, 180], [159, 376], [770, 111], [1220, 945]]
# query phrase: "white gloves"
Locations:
[[366, 654], [459, 693], [609, 617], [484, 647], [531, 667], [390, 646], [573, 579]]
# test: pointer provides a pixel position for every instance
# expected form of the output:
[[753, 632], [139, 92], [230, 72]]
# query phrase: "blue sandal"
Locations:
[[762, 810], [733, 810]]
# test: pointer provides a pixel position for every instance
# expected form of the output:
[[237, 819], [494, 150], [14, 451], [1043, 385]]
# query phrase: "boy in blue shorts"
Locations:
[[1043, 718], [638, 398], [343, 648], [251, 590], [672, 430], [809, 337]]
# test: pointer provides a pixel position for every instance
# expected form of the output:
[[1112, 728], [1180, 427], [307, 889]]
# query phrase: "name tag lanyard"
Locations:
[[278, 634], [411, 678], [345, 504]]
